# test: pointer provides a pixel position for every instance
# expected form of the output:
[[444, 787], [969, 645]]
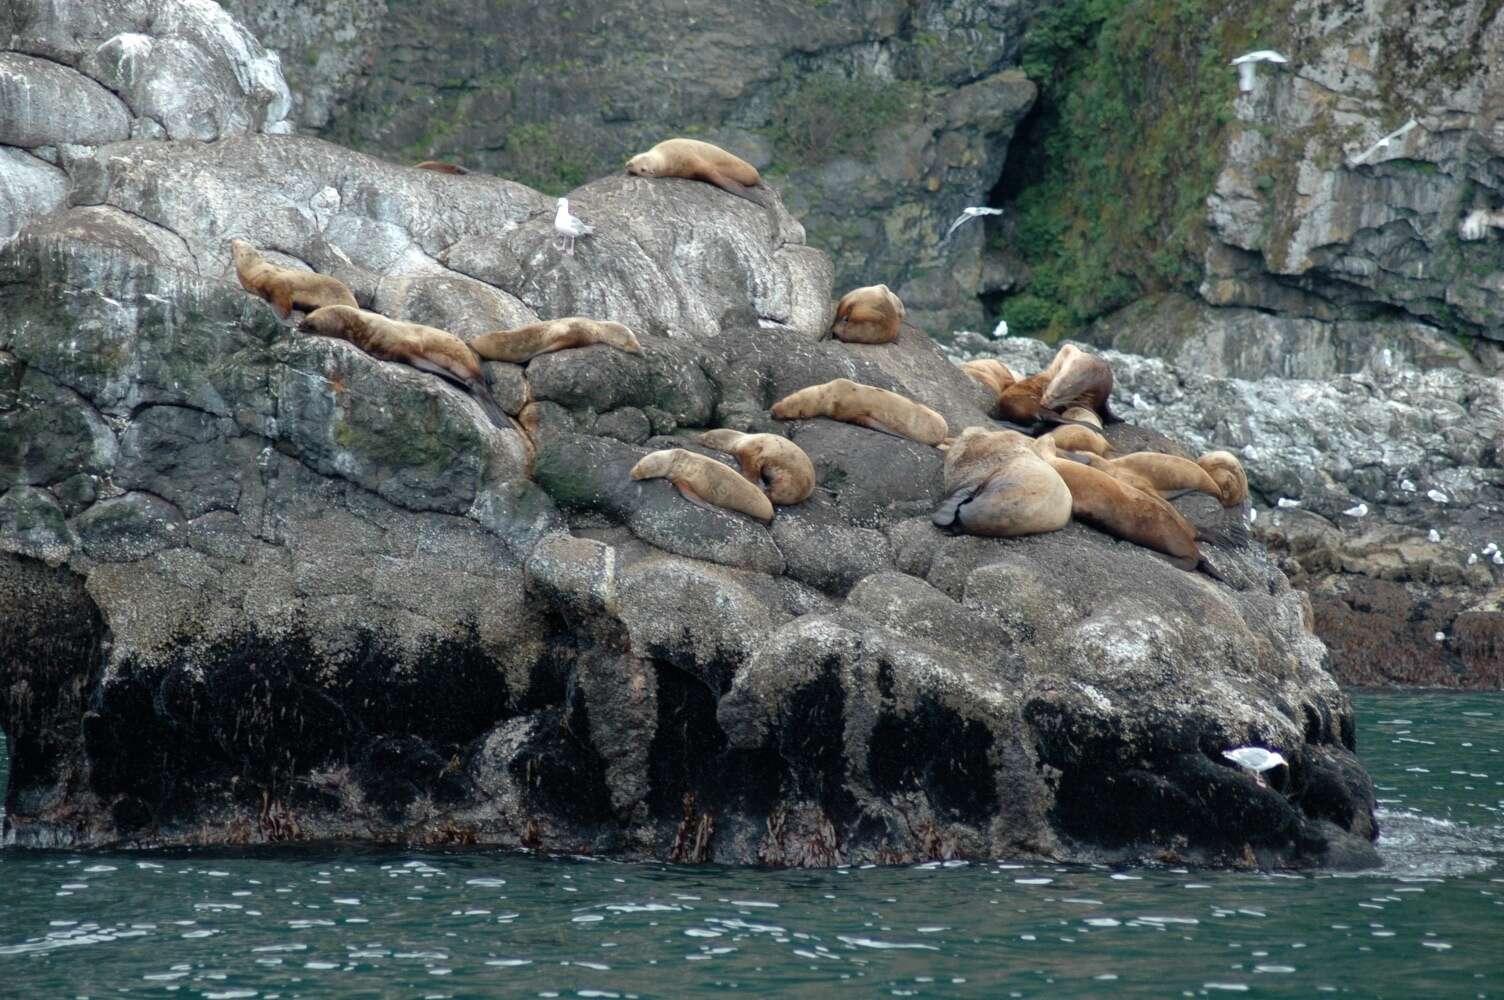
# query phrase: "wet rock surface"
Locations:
[[259, 586]]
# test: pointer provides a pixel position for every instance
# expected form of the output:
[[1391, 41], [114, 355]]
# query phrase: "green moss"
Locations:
[[827, 116], [541, 156], [1115, 165]]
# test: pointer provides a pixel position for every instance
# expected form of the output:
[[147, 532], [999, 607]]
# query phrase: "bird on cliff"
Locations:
[[569, 227], [967, 214], [1256, 759]]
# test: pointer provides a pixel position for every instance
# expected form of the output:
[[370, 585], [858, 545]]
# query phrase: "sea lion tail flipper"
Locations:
[[1230, 531], [949, 512], [1210, 571], [1108, 417], [489, 406]]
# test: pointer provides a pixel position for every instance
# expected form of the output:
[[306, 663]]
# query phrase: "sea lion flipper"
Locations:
[[740, 190], [489, 406], [1230, 531], [949, 511]]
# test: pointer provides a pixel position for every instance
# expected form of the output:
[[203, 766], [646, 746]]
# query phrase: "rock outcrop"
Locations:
[[1380, 493], [258, 586], [878, 121]]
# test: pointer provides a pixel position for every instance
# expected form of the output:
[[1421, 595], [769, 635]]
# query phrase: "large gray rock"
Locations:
[[262, 586], [1380, 492]]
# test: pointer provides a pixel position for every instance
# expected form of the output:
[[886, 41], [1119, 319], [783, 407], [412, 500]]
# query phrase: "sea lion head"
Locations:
[[245, 255], [331, 321], [658, 465], [620, 336], [721, 440], [645, 164]]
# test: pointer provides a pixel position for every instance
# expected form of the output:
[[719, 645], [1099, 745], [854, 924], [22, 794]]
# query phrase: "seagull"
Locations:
[[1287, 503], [967, 214], [1436, 496], [1357, 511], [1001, 330], [569, 227], [1256, 759], [1433, 535], [1247, 64]]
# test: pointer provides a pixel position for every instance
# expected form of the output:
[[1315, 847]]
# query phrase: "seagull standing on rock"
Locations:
[[569, 227], [1256, 759]]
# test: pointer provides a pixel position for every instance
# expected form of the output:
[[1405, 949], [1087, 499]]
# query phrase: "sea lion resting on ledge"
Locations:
[[996, 485], [775, 463], [285, 288], [1078, 379], [705, 482], [440, 167], [1160, 473], [991, 374], [867, 406], [1227, 472], [423, 347], [870, 315], [1110, 505], [700, 161], [527, 342]]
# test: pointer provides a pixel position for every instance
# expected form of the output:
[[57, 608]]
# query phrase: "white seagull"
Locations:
[[967, 214], [1256, 759], [1247, 65], [569, 227]]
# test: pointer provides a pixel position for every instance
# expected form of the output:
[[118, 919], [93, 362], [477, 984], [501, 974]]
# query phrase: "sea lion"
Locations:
[[285, 288], [775, 463], [705, 482], [699, 161], [1020, 402], [1227, 472], [868, 406], [991, 374], [425, 348], [1111, 505], [870, 315], [440, 167], [1070, 437], [1082, 415], [1163, 473], [1078, 379], [996, 485], [527, 342]]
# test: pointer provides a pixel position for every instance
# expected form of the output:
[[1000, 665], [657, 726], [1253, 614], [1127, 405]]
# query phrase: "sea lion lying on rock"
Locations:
[[1227, 472], [870, 315], [775, 463], [285, 288], [865, 405], [990, 374], [1161, 473], [705, 482], [1111, 505], [1069, 437], [440, 167], [700, 161], [423, 347], [526, 342], [1078, 379], [997, 485]]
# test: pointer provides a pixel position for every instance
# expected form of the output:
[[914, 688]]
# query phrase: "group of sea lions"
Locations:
[[1000, 481]]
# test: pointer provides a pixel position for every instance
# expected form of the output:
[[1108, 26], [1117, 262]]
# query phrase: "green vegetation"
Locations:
[[541, 156], [828, 116], [1113, 170]]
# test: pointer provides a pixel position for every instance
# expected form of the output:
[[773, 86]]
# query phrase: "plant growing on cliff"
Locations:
[[1114, 166], [828, 115]]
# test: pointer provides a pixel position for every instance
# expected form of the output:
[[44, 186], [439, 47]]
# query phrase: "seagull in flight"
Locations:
[[967, 214], [569, 227]]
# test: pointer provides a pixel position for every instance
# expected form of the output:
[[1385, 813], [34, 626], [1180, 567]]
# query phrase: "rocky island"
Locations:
[[261, 587]]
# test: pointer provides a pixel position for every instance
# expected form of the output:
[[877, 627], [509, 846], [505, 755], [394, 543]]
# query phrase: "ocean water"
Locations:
[[344, 922]]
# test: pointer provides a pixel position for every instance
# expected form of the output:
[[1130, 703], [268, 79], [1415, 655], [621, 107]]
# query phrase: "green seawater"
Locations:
[[337, 923]]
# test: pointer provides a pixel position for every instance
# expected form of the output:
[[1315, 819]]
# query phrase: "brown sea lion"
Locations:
[[440, 167], [1082, 415], [991, 374], [705, 482], [868, 406], [1078, 379], [1069, 437], [526, 342], [1227, 472], [1111, 505], [1163, 473], [996, 485], [870, 315], [700, 161], [285, 288], [423, 347], [1020, 402], [775, 463]]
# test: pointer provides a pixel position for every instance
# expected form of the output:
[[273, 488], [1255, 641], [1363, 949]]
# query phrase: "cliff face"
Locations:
[[879, 121], [260, 586]]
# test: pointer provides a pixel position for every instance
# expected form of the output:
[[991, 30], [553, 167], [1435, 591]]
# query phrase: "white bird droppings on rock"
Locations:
[[1441, 636], [1287, 503], [1407, 486], [1437, 496], [1433, 535]]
